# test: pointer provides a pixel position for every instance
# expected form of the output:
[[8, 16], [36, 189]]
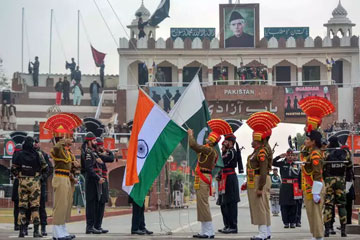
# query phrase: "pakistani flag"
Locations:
[[161, 13], [191, 111]]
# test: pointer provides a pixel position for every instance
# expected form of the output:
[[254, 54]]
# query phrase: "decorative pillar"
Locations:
[[270, 76], [210, 77], [180, 77], [299, 76]]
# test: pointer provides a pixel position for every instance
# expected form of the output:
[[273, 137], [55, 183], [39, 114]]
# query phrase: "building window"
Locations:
[[189, 74], [311, 75], [283, 75], [143, 74], [221, 73]]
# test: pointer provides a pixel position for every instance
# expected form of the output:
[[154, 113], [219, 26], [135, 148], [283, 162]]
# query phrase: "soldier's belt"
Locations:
[[205, 171], [29, 174], [290, 181], [62, 172]]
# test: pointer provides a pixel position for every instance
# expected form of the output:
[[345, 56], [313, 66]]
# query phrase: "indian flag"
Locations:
[[153, 138], [191, 111]]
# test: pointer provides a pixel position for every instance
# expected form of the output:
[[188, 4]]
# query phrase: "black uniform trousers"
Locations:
[[101, 207], [42, 208], [92, 203], [229, 212], [299, 204], [288, 213], [138, 219]]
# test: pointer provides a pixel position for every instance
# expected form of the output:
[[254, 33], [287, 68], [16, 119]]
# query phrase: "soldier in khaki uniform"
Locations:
[[257, 169], [207, 157], [61, 126], [312, 182]]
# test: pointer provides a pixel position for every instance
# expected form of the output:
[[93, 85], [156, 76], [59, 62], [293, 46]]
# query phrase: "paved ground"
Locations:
[[181, 224]]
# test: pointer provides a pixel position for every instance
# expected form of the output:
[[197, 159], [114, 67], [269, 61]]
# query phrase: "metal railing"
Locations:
[[101, 101], [303, 83]]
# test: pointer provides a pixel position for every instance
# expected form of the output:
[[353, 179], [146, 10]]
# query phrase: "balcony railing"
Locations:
[[245, 82]]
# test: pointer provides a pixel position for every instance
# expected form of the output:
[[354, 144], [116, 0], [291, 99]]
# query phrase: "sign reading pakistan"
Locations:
[[294, 94], [192, 33]]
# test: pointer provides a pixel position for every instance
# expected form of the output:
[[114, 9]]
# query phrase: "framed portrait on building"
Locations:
[[239, 25]]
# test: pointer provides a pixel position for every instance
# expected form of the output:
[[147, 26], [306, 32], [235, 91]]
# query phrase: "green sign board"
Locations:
[[286, 32], [192, 33]]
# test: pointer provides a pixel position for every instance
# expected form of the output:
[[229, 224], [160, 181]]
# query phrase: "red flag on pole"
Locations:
[[98, 56]]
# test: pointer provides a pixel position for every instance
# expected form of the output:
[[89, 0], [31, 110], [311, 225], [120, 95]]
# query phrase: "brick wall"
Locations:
[[357, 104]]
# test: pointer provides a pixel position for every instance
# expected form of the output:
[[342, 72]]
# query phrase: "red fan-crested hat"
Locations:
[[315, 108], [62, 124], [218, 127], [262, 123]]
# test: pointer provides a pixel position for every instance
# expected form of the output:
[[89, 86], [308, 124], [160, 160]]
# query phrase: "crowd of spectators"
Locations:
[[8, 121], [344, 125]]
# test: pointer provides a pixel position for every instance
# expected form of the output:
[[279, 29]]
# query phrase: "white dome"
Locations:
[[339, 11], [339, 17], [142, 12]]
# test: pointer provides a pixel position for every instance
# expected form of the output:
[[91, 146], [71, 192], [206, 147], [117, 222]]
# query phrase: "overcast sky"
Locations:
[[183, 13]]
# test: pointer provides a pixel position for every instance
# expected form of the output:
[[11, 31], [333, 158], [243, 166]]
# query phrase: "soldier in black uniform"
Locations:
[[106, 156], [43, 189], [18, 138], [93, 181], [337, 171], [290, 188], [15, 190], [228, 184], [28, 166]]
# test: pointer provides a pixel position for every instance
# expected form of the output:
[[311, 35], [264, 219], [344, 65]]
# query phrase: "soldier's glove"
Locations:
[[316, 190], [348, 186], [316, 198]]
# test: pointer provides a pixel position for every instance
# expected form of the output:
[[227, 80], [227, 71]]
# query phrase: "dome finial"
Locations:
[[339, 10]]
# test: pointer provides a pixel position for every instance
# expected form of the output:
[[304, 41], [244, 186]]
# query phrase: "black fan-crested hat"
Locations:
[[342, 136], [234, 124], [18, 137], [94, 125]]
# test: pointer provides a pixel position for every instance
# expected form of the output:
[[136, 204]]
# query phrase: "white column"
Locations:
[[180, 77], [299, 77], [270, 76], [210, 76], [328, 77]]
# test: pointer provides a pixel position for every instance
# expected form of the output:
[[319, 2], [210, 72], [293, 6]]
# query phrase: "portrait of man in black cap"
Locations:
[[236, 27]]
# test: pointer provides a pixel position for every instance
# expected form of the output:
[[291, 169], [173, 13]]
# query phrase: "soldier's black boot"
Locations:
[[343, 230], [26, 229], [43, 230], [36, 232], [22, 231], [327, 230]]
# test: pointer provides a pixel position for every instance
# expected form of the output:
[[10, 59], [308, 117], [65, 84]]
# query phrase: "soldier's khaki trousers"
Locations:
[[315, 216], [260, 206], [202, 201], [62, 196]]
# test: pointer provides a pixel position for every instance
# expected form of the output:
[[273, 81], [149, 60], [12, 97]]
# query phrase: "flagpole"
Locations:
[[51, 18], [78, 40], [22, 40]]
